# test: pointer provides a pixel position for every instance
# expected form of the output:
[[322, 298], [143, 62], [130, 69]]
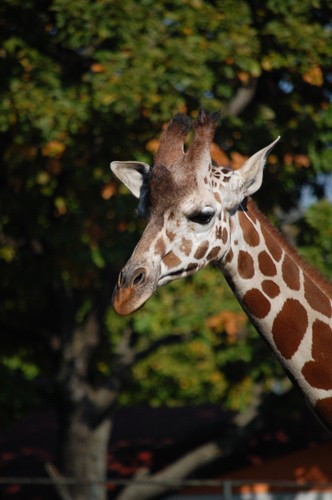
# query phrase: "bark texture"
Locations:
[[84, 457], [85, 411]]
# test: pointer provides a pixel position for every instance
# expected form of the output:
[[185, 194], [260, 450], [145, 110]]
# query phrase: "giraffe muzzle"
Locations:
[[135, 286]]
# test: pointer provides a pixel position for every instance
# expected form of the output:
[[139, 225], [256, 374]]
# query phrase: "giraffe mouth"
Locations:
[[177, 274], [170, 276]]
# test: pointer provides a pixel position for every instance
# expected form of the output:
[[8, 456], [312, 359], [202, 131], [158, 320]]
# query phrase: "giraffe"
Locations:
[[198, 214]]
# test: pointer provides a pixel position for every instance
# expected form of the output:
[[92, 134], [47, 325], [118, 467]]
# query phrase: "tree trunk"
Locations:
[[84, 417], [83, 451]]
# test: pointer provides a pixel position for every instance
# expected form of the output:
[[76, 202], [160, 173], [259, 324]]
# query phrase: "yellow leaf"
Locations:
[[108, 190], [97, 68], [187, 31], [60, 205], [267, 63], [7, 253], [218, 155], [107, 99], [244, 77], [152, 146], [228, 322], [43, 178], [53, 149], [314, 76], [237, 160]]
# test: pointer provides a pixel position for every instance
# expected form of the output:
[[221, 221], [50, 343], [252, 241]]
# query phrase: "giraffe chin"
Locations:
[[125, 300]]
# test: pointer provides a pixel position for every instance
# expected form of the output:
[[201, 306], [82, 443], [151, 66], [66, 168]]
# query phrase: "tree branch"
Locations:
[[181, 468], [57, 480], [74, 363], [157, 484], [127, 356], [166, 340], [79, 346], [242, 98]]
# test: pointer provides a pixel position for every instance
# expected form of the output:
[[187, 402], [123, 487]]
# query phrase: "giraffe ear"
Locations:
[[133, 174], [251, 172]]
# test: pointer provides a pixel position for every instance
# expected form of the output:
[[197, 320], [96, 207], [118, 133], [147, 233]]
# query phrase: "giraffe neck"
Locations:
[[288, 302]]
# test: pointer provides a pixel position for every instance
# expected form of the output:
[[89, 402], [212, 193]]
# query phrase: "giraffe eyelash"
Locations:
[[202, 217]]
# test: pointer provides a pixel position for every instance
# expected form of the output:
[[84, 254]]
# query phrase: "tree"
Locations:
[[86, 82]]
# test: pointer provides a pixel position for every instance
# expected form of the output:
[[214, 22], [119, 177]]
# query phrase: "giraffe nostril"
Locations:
[[121, 278], [139, 277]]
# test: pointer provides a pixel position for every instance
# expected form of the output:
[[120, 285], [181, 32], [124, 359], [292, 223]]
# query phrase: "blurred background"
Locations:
[[89, 395]]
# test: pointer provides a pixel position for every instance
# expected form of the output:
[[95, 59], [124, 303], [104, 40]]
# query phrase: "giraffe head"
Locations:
[[188, 203]]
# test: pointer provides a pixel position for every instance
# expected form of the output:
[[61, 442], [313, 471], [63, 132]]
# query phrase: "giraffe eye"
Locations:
[[203, 217]]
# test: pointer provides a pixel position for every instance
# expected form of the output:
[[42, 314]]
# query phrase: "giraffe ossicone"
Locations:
[[198, 213]]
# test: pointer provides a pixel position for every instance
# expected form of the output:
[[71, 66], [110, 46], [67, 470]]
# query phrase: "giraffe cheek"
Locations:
[[213, 253], [171, 260], [201, 250], [160, 247], [186, 246]]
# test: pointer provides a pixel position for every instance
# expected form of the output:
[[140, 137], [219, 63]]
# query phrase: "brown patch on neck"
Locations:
[[266, 264], [271, 235], [250, 234], [270, 288], [291, 273], [289, 327], [318, 371], [316, 298], [245, 265], [229, 256], [316, 285], [324, 410], [256, 303]]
